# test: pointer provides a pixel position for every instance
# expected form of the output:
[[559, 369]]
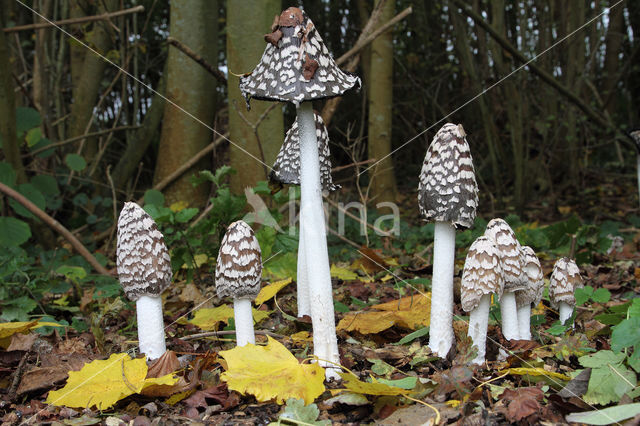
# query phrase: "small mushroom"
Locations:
[[505, 239], [282, 75], [565, 278], [532, 293], [482, 275], [238, 275], [286, 170], [448, 195], [144, 271]]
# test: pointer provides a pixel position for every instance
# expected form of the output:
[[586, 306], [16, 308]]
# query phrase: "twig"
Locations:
[[56, 226], [343, 238], [227, 333], [101, 17], [199, 59], [356, 164], [17, 376]]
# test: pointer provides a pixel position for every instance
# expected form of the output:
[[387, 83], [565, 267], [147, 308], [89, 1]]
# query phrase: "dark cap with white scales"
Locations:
[[296, 65], [143, 261]]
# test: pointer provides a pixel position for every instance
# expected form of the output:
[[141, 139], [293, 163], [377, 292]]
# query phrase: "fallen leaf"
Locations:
[[271, 372], [410, 312], [268, 291], [523, 402], [353, 384], [41, 378], [522, 371], [21, 342], [218, 394], [102, 383], [343, 274], [606, 416], [209, 318]]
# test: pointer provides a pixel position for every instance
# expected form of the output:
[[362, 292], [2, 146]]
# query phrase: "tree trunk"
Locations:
[[380, 112], [191, 87], [8, 140], [615, 35], [245, 46]]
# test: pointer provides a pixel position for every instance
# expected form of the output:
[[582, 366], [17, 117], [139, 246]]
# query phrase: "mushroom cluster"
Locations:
[[448, 195], [297, 67], [144, 271]]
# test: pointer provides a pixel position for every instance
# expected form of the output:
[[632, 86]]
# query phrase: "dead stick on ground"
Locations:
[[102, 17], [56, 226], [199, 59]]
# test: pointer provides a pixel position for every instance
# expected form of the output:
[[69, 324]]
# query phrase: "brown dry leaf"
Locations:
[[21, 342], [219, 394], [167, 363], [41, 378], [370, 261], [523, 402], [410, 312]]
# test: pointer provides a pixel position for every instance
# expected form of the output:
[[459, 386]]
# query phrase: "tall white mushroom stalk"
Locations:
[[504, 238], [286, 170], [448, 195], [482, 276], [144, 271], [297, 67], [238, 275], [564, 280], [532, 293]]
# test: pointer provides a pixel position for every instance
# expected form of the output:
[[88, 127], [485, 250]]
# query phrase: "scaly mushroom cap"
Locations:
[[505, 239], [532, 272], [286, 169], [296, 65], [482, 273], [239, 264], [635, 135], [565, 278], [143, 261], [448, 191]]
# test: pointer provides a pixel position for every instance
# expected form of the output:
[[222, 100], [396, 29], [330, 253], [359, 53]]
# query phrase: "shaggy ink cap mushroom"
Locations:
[[286, 169], [296, 65], [448, 191], [143, 261], [532, 272], [503, 236], [239, 264], [482, 273], [565, 278]]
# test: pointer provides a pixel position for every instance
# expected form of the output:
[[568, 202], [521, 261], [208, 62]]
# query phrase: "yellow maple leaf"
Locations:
[[537, 371], [8, 329], [271, 372], [102, 383], [268, 291], [355, 385], [343, 274], [411, 312], [209, 318]]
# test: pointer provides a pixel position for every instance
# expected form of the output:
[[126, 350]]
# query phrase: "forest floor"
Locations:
[[382, 318]]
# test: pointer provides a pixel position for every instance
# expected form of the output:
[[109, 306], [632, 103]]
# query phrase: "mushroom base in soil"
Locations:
[[150, 326], [441, 330], [243, 317]]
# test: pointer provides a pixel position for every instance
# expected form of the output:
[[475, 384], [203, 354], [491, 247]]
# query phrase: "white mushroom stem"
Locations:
[[302, 281], [509, 314], [441, 325], [243, 317], [565, 311], [478, 323], [524, 322], [325, 342], [150, 326]]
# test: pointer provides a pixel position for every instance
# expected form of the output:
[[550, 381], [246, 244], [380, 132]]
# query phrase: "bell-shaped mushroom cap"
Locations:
[[448, 191], [512, 259], [532, 273], [286, 169], [143, 261], [482, 273], [296, 65], [565, 278], [239, 264]]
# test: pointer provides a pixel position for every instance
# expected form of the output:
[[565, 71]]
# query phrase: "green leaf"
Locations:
[[301, 414], [26, 118], [606, 415], [262, 188], [406, 383], [600, 359], [74, 273], [7, 174], [282, 266], [634, 309], [17, 309], [32, 194], [412, 336], [33, 136], [340, 307], [266, 237], [75, 162], [185, 215], [558, 233], [44, 142], [583, 295], [380, 367], [47, 185], [601, 295], [154, 197], [557, 329], [13, 232], [626, 334], [609, 383]]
